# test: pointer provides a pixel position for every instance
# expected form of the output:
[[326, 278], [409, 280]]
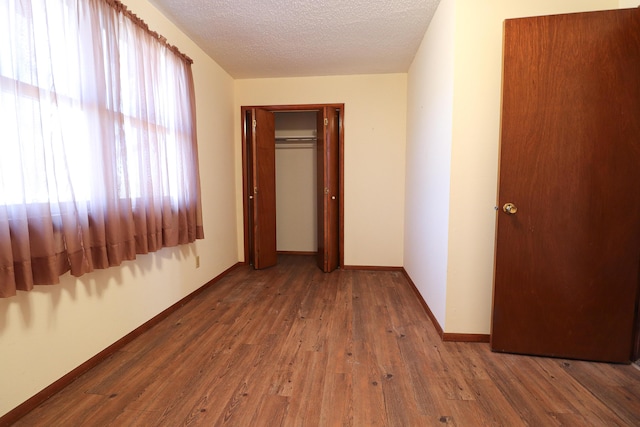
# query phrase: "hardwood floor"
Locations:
[[293, 346]]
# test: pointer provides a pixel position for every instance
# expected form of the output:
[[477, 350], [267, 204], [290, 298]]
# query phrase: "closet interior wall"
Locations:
[[296, 181]]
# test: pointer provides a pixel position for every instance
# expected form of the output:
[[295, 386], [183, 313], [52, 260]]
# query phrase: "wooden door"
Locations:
[[247, 169], [328, 188], [568, 253], [263, 179]]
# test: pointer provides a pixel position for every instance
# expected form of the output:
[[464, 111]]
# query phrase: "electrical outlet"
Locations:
[[197, 261]]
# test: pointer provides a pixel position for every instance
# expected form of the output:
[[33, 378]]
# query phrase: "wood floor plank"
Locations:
[[271, 411], [308, 383], [610, 385], [337, 400], [292, 346], [368, 398]]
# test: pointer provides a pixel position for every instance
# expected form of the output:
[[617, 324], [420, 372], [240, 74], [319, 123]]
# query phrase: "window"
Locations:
[[99, 153]]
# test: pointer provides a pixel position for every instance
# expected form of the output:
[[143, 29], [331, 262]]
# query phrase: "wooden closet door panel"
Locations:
[[248, 183], [567, 261], [333, 173], [264, 189], [328, 188], [321, 181]]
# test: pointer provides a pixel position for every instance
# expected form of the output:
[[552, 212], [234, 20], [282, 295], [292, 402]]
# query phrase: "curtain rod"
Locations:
[[121, 8]]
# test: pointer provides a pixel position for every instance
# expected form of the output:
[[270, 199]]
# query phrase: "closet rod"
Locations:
[[296, 139]]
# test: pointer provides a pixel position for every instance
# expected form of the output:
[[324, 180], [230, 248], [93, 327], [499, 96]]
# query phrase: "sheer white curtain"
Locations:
[[98, 152]]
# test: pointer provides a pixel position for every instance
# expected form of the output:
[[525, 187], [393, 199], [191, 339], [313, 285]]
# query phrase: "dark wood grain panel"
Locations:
[[567, 263], [263, 166]]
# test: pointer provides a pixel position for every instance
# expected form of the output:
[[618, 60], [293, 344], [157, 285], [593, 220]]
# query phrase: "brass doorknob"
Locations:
[[510, 208]]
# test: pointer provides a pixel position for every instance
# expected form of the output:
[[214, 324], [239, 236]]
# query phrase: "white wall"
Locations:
[[473, 149], [375, 137], [296, 201], [428, 170], [48, 332]]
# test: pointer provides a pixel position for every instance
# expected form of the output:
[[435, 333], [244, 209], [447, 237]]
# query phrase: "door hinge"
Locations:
[[326, 190], [255, 190], [326, 121], [254, 125]]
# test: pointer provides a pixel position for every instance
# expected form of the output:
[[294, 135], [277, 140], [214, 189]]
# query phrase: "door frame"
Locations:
[[245, 126]]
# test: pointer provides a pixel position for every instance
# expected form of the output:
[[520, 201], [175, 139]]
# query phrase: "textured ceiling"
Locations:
[[287, 38]]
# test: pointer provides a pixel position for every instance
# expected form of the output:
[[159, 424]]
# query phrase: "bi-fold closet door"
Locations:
[[261, 167], [260, 184]]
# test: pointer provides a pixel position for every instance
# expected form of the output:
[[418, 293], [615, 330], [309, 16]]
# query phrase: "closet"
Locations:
[[292, 183], [296, 181]]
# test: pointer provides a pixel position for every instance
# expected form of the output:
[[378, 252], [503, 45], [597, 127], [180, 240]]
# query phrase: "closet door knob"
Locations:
[[333, 197]]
